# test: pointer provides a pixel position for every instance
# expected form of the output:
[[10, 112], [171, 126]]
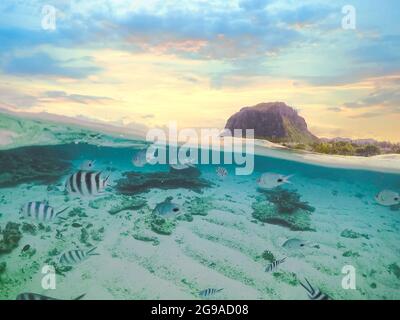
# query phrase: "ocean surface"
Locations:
[[227, 233]]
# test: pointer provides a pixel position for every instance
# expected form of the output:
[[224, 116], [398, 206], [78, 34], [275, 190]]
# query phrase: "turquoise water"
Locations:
[[228, 233]]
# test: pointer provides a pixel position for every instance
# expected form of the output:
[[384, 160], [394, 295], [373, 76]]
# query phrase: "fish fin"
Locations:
[[93, 254], [283, 259], [219, 290], [91, 250], [63, 210], [80, 297]]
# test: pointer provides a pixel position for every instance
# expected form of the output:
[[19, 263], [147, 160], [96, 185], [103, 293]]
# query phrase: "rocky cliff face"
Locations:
[[274, 121]]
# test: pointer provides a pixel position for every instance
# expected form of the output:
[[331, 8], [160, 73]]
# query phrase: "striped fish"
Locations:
[[209, 292], [74, 257], [40, 210], [314, 294], [36, 296], [273, 266], [86, 183]]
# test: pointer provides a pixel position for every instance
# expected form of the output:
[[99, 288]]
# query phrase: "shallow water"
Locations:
[[218, 242]]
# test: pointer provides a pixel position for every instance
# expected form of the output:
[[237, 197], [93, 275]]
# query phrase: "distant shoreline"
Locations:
[[388, 163]]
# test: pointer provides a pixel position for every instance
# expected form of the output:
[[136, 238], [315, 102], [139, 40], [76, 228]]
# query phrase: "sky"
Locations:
[[144, 63]]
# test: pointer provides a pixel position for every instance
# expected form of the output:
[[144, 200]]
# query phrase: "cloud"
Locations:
[[368, 115], [53, 96], [383, 51], [387, 98], [382, 100], [14, 98], [42, 64], [253, 4], [305, 14], [335, 109], [148, 116]]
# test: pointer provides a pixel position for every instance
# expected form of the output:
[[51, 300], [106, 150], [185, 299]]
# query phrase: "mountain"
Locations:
[[274, 121]]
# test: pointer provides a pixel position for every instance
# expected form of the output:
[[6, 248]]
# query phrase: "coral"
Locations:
[[29, 228], [268, 212], [395, 269], [268, 255], [162, 226], [11, 237], [185, 217], [199, 206], [154, 240], [54, 252], [287, 201], [59, 268], [348, 233], [101, 202], [127, 203], [287, 277], [396, 207], [84, 236], [3, 267], [77, 211], [351, 254], [97, 235], [139, 182], [42, 165]]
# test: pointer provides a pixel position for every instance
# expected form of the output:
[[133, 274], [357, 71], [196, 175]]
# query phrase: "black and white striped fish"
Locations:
[[86, 183], [314, 293], [273, 266], [40, 210], [209, 292], [73, 257], [36, 296]]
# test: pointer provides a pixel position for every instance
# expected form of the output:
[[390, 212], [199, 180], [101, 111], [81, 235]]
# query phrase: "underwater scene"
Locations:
[[114, 227]]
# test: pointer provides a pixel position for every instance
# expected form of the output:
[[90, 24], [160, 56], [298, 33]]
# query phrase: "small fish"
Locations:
[[141, 158], [387, 198], [40, 210], [167, 209], [76, 256], [36, 296], [86, 183], [272, 180], [221, 172], [26, 248], [314, 294], [88, 165], [294, 243], [273, 266], [209, 292], [76, 225]]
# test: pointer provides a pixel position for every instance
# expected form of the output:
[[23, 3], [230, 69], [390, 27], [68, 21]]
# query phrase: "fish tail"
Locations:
[[309, 288], [63, 210], [80, 297]]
